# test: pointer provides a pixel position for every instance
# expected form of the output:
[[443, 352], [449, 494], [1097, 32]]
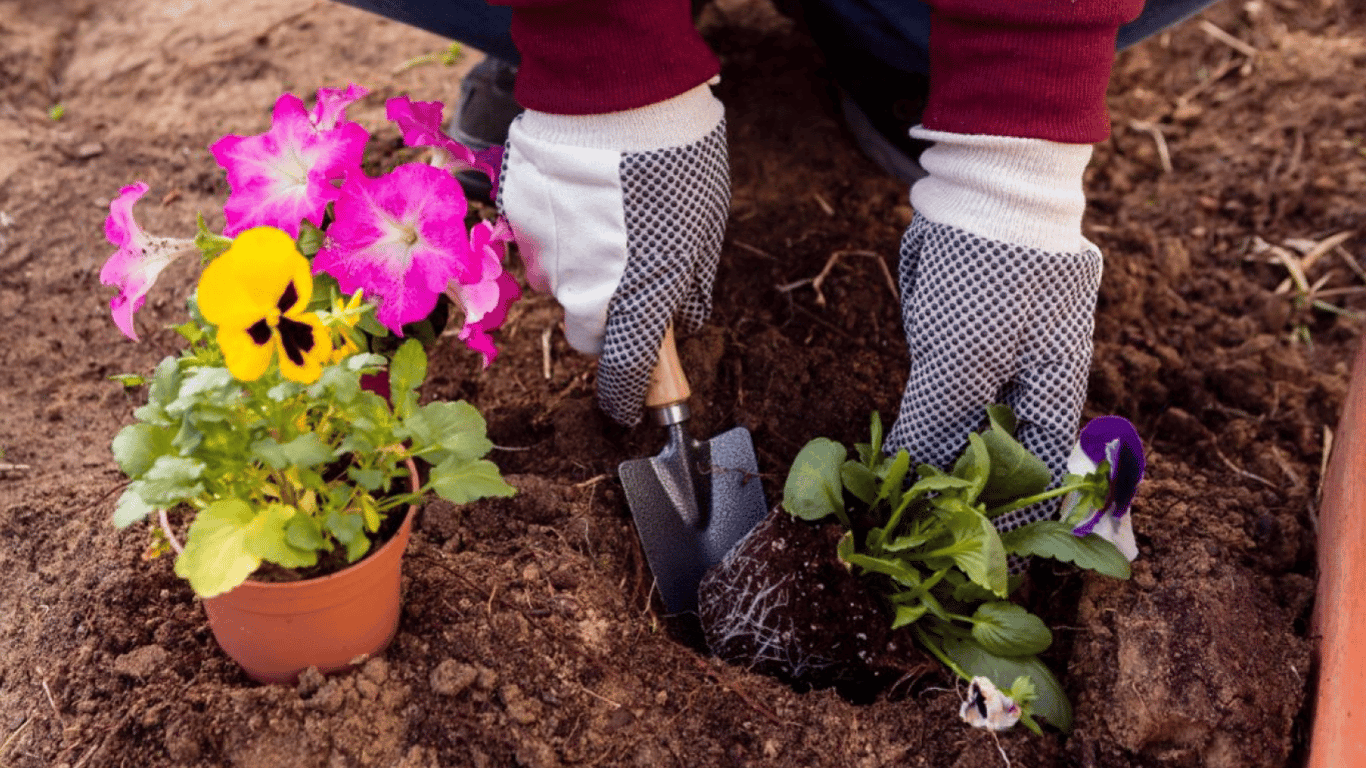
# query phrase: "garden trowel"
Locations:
[[694, 500]]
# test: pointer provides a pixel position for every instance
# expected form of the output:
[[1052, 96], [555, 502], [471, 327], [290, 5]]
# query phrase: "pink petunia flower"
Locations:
[[420, 122], [331, 105], [400, 238], [485, 290], [285, 175], [140, 258]]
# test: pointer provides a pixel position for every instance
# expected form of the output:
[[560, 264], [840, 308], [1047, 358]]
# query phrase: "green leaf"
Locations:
[[813, 489], [130, 507], [171, 480], [285, 390], [310, 239], [938, 483], [900, 571], [137, 446], [1007, 629], [305, 532], [203, 384], [870, 453], [1052, 538], [129, 380], [1015, 472], [895, 479], [457, 427], [188, 438], [974, 465], [1002, 417], [345, 526], [306, 450], [344, 384], [356, 548], [860, 481], [977, 548], [165, 383], [977, 661], [461, 482], [905, 542], [369, 479], [216, 556], [266, 538], [210, 245], [407, 371], [365, 361], [908, 614]]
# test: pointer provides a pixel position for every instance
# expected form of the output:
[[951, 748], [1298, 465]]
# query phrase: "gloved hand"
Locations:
[[621, 217], [998, 293]]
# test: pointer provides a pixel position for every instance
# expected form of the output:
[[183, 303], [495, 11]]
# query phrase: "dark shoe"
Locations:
[[486, 109]]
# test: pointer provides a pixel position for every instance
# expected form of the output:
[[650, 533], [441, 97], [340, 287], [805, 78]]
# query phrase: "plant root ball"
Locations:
[[782, 604]]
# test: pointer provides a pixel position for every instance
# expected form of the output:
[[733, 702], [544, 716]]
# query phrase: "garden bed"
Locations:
[[530, 634]]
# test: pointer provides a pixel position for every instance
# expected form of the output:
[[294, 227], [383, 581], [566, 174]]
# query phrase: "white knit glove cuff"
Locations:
[[1022, 191], [683, 119]]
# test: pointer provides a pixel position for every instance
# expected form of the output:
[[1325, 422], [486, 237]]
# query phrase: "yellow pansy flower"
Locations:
[[256, 293]]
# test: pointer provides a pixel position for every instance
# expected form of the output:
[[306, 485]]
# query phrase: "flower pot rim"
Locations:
[[1339, 623], [409, 512]]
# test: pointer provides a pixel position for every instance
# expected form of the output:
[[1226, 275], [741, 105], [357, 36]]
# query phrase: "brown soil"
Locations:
[[529, 634]]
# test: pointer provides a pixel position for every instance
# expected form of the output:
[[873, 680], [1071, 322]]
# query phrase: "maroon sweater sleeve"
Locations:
[[586, 57], [1027, 68]]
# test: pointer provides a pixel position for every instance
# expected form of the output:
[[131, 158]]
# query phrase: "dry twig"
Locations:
[[545, 352], [819, 280], [753, 250], [1219, 34], [1164, 154]]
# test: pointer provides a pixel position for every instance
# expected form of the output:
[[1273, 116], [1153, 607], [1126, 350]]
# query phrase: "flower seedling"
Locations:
[[928, 536], [262, 426]]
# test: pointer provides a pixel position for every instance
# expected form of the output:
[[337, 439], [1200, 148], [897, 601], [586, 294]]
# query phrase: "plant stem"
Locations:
[[1061, 490], [938, 653]]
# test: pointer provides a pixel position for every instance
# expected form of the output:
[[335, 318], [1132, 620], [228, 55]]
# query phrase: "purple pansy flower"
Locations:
[[400, 238], [140, 258], [286, 175], [1112, 439], [484, 289], [420, 122]]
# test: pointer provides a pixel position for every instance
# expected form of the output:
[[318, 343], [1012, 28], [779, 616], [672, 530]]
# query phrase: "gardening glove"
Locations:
[[998, 293], [621, 217]]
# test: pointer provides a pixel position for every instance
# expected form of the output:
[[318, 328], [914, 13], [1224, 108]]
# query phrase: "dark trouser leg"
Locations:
[[472, 22]]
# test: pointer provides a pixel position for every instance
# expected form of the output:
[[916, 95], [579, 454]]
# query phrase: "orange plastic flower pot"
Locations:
[[1338, 738], [276, 631]]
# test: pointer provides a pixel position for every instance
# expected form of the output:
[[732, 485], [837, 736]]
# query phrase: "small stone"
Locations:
[[376, 670], [521, 709], [142, 662], [451, 677], [487, 679], [310, 680], [367, 688], [89, 149], [331, 698]]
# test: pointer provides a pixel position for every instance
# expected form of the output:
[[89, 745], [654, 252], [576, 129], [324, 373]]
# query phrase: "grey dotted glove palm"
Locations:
[[998, 298], [621, 217]]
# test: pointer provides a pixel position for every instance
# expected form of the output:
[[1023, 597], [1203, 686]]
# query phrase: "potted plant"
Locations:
[[914, 566], [300, 478]]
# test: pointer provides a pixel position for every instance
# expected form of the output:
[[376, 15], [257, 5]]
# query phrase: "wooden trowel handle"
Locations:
[[668, 385]]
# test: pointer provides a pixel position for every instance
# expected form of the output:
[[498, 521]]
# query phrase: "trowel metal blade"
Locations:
[[683, 534]]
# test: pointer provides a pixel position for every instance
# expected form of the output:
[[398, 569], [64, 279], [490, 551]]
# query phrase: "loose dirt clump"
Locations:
[[530, 634]]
